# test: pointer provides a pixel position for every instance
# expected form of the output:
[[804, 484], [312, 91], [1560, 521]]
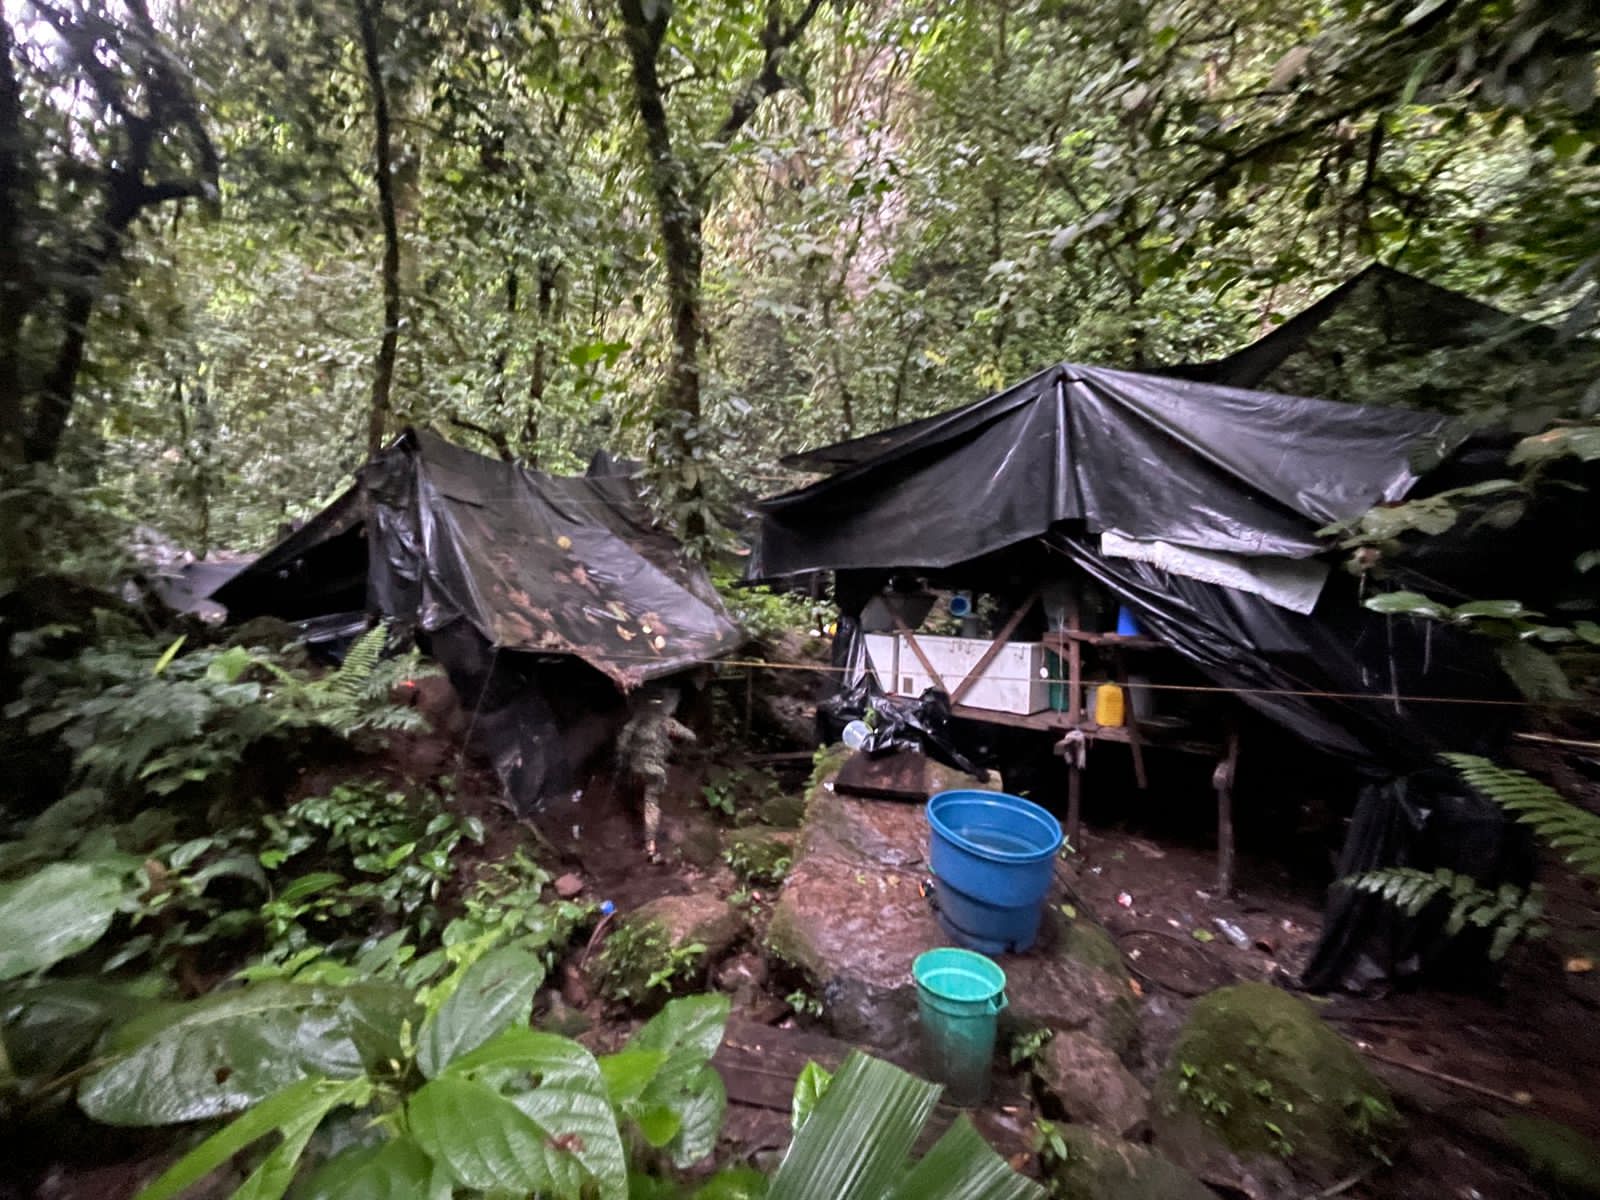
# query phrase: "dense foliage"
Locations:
[[710, 233]]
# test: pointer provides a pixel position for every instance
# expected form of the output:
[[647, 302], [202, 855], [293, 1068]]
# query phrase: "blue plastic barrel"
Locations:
[[993, 857]]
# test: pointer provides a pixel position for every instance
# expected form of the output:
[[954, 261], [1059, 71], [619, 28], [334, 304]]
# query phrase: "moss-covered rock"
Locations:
[[1085, 1165], [825, 764], [1074, 980], [760, 856], [1256, 1075], [1089, 944], [1558, 1155], [664, 946], [782, 811]]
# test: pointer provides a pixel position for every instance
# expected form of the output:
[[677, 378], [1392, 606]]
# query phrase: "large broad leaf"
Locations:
[[396, 1170], [294, 1112], [51, 1026], [496, 991], [856, 1143], [56, 912], [962, 1166], [489, 1143], [569, 1100], [230, 1050], [681, 1107]]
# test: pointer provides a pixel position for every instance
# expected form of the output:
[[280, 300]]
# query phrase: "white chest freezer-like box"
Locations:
[[1013, 682]]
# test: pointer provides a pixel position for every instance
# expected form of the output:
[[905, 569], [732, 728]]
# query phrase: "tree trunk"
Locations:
[[544, 303], [678, 215], [369, 12], [15, 279]]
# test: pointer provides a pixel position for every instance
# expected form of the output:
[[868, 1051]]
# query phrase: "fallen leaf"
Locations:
[[1133, 986], [1202, 935], [564, 542], [1579, 966]]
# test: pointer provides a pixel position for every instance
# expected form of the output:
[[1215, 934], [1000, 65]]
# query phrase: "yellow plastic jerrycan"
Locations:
[[1108, 705]]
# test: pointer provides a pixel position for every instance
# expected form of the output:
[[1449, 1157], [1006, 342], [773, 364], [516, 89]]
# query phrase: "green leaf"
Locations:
[[658, 1124], [629, 1072], [808, 1089], [496, 991], [962, 1166], [167, 655], [1538, 675], [1408, 603], [56, 912], [487, 1142], [734, 1183], [1499, 609], [570, 1096], [396, 1170], [859, 1137], [232, 1049], [228, 666], [295, 1111]]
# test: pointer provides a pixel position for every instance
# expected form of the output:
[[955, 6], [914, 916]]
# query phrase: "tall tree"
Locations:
[[142, 138], [369, 14], [682, 162]]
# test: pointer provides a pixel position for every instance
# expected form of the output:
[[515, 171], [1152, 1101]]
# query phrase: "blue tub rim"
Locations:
[[1038, 812]]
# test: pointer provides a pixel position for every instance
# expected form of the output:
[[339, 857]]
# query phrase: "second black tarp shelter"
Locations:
[[1197, 506], [546, 598]]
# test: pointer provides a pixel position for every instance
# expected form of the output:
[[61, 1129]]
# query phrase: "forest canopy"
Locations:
[[245, 243]]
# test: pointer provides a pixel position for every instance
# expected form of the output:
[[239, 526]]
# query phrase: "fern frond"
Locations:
[[349, 682], [1557, 822]]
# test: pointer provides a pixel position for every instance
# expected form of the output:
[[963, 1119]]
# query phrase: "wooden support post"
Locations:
[[1135, 742], [749, 700], [1222, 779], [994, 649], [1074, 719], [1074, 800]]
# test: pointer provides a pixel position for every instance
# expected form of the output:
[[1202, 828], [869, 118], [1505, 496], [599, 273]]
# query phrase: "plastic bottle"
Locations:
[[1108, 705], [855, 734], [1232, 932]]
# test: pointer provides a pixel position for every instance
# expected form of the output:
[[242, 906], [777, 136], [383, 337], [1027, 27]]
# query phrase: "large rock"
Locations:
[[1256, 1082], [1073, 979], [1091, 1084], [697, 917], [648, 955], [852, 916], [1096, 1167]]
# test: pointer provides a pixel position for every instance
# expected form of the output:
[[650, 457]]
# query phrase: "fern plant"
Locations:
[[1511, 912], [1557, 822]]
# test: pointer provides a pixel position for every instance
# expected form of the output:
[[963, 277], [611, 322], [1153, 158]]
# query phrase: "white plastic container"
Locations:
[[1013, 682]]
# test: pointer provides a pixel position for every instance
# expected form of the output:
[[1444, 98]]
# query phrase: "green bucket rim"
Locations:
[[966, 962]]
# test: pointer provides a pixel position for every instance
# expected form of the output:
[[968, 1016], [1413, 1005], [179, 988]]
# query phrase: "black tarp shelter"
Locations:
[[544, 597], [1157, 488]]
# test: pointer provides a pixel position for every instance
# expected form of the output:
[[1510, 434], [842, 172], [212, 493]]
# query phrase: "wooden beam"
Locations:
[[911, 640], [994, 649], [1222, 779]]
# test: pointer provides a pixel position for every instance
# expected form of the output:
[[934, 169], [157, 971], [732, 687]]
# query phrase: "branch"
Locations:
[[493, 436], [776, 41]]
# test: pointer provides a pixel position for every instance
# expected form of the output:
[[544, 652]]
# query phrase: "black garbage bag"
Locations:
[[897, 723], [1427, 820]]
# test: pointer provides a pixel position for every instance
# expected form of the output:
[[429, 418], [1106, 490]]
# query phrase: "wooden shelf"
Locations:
[[1057, 640], [1164, 737]]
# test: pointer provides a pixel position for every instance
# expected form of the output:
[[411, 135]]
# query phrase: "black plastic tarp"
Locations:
[[532, 562], [546, 598], [1149, 458], [1075, 454]]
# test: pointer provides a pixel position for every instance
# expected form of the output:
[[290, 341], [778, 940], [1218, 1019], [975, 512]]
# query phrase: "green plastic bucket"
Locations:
[[959, 998]]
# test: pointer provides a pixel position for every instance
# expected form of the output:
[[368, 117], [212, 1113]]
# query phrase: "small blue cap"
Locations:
[[607, 908]]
